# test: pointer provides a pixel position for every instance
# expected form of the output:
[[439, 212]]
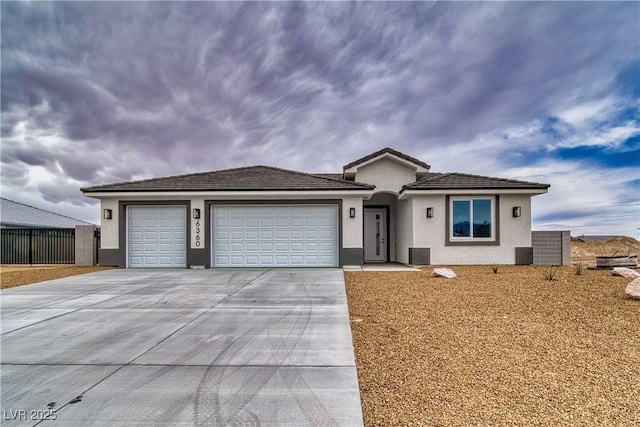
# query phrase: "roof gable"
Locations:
[[461, 181], [417, 167], [387, 152], [252, 178]]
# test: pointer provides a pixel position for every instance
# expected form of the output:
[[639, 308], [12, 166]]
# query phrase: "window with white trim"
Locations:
[[472, 219]]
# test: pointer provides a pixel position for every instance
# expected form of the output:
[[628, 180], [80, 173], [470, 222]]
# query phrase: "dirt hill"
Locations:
[[587, 252]]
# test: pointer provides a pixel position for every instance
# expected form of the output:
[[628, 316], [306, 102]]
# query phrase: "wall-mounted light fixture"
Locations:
[[429, 212], [107, 214], [196, 213], [352, 212], [517, 211]]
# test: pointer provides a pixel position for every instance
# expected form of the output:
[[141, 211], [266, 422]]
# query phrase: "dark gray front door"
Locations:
[[375, 233]]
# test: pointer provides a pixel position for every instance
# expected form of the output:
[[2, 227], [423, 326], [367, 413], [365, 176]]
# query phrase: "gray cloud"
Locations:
[[105, 92]]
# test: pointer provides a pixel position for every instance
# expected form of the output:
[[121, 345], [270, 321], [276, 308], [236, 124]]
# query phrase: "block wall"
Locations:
[[85, 245], [551, 247]]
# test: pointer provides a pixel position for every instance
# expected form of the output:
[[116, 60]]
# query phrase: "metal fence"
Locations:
[[96, 237], [37, 246]]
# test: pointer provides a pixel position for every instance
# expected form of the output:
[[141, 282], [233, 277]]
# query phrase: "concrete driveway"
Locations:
[[180, 347]]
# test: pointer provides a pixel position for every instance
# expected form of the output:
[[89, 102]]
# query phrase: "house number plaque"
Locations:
[[198, 234]]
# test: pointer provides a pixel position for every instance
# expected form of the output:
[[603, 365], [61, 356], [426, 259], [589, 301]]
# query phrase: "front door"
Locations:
[[375, 233]]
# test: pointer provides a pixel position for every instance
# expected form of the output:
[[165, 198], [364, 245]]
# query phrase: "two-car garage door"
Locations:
[[242, 236], [275, 236]]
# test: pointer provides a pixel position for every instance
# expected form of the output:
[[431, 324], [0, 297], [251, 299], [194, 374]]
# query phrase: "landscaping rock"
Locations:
[[506, 344], [24, 275], [443, 272], [625, 272], [633, 289]]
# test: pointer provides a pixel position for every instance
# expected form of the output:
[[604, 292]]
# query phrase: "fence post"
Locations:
[[85, 250], [96, 244], [30, 247]]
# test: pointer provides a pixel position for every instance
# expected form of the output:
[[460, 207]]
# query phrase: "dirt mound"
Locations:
[[587, 252]]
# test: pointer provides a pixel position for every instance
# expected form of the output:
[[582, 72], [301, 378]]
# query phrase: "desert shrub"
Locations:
[[550, 273]]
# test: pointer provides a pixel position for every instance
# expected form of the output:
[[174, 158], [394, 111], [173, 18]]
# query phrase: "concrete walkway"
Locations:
[[180, 347], [389, 266]]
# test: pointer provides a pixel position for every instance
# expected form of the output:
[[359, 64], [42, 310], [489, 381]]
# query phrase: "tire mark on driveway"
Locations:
[[208, 408], [131, 362]]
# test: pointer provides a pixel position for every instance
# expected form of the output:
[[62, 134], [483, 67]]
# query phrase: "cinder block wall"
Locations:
[[551, 247], [85, 245]]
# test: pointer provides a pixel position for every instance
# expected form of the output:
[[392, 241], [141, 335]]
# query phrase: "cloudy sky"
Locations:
[[95, 93]]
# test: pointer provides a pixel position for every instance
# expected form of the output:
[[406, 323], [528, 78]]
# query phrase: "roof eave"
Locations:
[[408, 192], [105, 189], [232, 194]]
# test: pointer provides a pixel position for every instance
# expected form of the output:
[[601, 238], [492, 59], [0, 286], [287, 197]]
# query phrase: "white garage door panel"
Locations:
[[275, 236], [156, 236]]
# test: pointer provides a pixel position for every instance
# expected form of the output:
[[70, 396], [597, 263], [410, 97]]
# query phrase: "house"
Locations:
[[31, 235], [18, 215], [384, 207]]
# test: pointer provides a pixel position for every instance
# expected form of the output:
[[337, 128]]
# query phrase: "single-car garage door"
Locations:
[[275, 236], [156, 236]]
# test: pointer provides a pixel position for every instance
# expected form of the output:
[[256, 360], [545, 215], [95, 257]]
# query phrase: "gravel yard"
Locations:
[[18, 275], [496, 349]]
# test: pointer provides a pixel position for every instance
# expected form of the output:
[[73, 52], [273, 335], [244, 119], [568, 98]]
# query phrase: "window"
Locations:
[[472, 219]]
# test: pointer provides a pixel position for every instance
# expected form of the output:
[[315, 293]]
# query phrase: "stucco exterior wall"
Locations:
[[404, 229], [352, 227], [431, 232], [386, 175], [109, 227], [408, 225]]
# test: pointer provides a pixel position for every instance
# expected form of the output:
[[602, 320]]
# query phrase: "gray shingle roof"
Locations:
[[454, 181], [339, 176], [15, 214], [252, 178], [390, 151]]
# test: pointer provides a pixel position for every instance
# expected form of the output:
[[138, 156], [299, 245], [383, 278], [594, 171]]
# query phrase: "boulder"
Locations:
[[625, 272], [633, 289], [443, 272]]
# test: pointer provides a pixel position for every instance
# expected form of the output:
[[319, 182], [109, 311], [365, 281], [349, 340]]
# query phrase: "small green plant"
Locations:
[[495, 268], [579, 267], [550, 273]]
